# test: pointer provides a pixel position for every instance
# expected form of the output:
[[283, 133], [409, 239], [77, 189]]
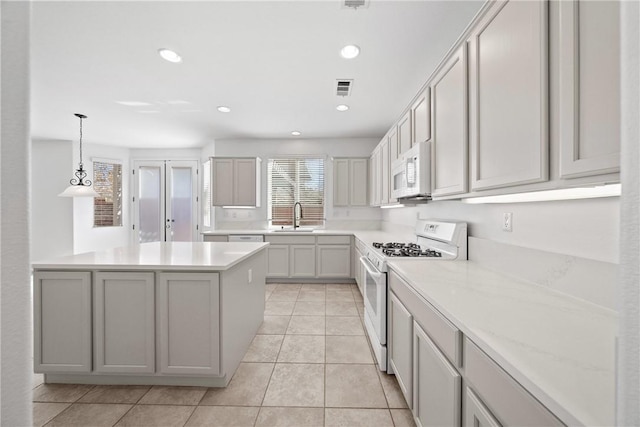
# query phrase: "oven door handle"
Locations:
[[370, 268]]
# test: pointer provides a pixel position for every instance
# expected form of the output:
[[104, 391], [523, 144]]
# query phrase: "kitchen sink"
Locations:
[[297, 230]]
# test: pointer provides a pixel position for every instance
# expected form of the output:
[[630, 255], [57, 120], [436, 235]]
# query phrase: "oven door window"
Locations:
[[371, 291]]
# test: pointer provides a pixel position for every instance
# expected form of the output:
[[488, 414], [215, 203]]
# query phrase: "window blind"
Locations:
[[107, 181], [292, 180]]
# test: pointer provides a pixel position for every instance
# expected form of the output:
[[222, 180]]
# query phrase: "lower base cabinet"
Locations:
[[475, 413], [334, 261], [401, 346], [189, 327], [62, 322], [302, 260], [278, 261], [437, 385], [124, 322]]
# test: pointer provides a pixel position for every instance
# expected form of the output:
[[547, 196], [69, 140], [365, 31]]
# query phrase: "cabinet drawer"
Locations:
[[215, 238], [334, 240], [507, 400], [291, 240], [443, 333]]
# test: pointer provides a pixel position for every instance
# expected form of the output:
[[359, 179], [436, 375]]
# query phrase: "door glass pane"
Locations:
[[181, 204], [149, 204]]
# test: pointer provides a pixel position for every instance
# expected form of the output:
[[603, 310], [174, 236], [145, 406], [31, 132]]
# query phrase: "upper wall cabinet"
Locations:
[[449, 143], [508, 57], [404, 135], [236, 181], [350, 179], [589, 88], [421, 118], [375, 174]]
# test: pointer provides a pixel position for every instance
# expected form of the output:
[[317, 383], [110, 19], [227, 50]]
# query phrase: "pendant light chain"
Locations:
[[81, 117]]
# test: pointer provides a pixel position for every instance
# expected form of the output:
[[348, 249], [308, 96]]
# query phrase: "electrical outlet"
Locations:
[[507, 221], [250, 278]]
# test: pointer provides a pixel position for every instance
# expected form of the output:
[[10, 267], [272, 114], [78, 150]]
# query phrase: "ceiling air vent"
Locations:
[[344, 87], [355, 4]]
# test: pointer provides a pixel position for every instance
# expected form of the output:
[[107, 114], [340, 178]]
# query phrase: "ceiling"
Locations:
[[275, 63]]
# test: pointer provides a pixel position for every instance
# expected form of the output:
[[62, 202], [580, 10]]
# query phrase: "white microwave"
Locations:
[[411, 173]]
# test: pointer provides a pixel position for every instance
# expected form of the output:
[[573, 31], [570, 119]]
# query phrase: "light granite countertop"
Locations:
[[171, 256], [560, 348]]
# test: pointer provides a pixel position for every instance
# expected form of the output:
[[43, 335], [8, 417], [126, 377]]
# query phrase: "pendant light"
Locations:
[[80, 187]]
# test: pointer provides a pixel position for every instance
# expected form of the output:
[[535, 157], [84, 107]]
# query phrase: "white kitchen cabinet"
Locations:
[[350, 182], [508, 82], [215, 238], [449, 144], [278, 261], [236, 181], [476, 414], [375, 172], [189, 344], [589, 88], [404, 139], [62, 322], [302, 261], [401, 346], [437, 395], [124, 322], [385, 198], [421, 118], [334, 261]]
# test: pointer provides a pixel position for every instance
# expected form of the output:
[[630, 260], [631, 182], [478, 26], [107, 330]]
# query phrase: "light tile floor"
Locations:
[[310, 365]]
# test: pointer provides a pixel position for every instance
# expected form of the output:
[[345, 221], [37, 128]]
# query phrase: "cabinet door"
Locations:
[[401, 346], [62, 321], [509, 96], [384, 167], [450, 145], [244, 180], [341, 182], [475, 413], [358, 180], [421, 118], [393, 142], [334, 261], [437, 390], [302, 261], [589, 88], [222, 175], [376, 177], [278, 261], [124, 322], [189, 323], [404, 135]]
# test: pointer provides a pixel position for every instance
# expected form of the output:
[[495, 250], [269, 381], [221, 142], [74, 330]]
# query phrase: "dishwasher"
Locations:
[[246, 238]]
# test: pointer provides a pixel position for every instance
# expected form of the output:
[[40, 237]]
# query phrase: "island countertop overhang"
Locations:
[[168, 256]]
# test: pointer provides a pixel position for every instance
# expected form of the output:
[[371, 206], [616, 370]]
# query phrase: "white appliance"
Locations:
[[411, 173], [435, 241]]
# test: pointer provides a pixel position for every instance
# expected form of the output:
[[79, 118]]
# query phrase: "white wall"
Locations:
[[51, 216], [86, 237], [271, 148], [586, 228], [628, 377], [15, 294]]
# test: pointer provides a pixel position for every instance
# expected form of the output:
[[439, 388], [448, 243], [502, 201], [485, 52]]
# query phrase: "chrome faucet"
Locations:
[[295, 217]]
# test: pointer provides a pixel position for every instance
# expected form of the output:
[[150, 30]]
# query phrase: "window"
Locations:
[[296, 180], [107, 181]]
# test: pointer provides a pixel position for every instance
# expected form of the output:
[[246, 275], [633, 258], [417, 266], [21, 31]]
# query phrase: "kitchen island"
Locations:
[[181, 313]]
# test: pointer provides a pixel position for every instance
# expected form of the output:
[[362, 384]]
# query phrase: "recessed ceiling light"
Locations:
[[296, 133], [350, 51], [224, 109], [169, 55], [133, 103], [342, 107]]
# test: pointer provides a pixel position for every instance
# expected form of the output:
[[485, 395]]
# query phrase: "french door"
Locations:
[[165, 202]]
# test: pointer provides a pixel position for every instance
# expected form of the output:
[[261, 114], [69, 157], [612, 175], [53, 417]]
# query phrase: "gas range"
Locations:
[[435, 240]]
